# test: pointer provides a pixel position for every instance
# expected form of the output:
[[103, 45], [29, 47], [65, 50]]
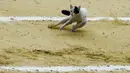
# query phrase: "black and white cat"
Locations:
[[75, 14]]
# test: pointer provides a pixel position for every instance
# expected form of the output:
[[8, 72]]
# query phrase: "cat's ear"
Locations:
[[65, 12], [79, 7], [71, 6]]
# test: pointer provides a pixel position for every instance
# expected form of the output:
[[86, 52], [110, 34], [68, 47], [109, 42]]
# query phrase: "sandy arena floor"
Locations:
[[52, 8], [32, 43], [65, 72]]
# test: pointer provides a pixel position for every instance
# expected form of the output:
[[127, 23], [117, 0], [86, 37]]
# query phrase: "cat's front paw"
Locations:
[[73, 30], [60, 28], [50, 26]]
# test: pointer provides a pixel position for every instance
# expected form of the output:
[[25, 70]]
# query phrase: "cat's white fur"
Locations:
[[80, 19]]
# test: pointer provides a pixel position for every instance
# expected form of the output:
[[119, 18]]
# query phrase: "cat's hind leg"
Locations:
[[78, 25]]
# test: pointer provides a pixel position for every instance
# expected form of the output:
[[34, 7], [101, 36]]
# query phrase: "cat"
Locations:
[[75, 14]]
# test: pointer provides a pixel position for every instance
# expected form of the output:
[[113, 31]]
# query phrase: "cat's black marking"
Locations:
[[65, 12], [76, 10]]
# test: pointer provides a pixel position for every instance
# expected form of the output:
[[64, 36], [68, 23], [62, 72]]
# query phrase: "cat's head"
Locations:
[[74, 9]]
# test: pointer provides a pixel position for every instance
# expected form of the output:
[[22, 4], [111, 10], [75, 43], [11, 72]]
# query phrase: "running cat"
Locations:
[[75, 14]]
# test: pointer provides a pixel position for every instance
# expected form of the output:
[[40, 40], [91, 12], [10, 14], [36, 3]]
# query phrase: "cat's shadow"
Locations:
[[67, 29]]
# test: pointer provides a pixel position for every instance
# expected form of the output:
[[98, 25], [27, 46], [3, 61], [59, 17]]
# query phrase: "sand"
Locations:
[[33, 44], [64, 72], [53, 8]]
